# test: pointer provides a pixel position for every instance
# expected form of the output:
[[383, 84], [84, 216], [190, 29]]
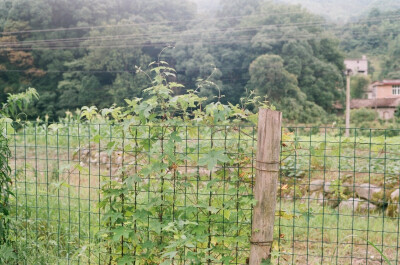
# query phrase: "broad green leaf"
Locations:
[[212, 158]]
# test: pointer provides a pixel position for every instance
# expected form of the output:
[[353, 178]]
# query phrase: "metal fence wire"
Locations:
[[78, 185], [338, 197]]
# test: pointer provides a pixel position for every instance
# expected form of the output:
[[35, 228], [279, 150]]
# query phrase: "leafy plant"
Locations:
[[5, 188], [15, 104], [165, 206], [18, 103]]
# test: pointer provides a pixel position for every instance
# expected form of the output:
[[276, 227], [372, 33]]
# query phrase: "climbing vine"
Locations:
[[10, 114], [183, 194]]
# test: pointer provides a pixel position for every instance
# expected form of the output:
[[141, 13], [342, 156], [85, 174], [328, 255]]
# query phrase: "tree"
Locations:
[[270, 79], [17, 68], [391, 64], [359, 86]]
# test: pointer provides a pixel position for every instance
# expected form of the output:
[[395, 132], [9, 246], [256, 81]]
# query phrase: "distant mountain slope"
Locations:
[[344, 10], [206, 5]]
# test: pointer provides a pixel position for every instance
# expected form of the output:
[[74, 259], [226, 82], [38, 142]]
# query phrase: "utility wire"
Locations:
[[288, 25], [18, 46], [149, 23], [180, 21], [280, 36]]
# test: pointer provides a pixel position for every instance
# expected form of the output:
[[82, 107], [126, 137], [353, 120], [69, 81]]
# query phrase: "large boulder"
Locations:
[[316, 185], [350, 204], [366, 190], [324, 193], [329, 188], [372, 193], [357, 205]]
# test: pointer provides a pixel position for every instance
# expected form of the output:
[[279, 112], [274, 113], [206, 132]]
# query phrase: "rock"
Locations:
[[367, 191], [393, 207], [372, 193], [350, 204], [332, 200], [316, 185], [394, 196], [348, 189], [357, 205], [328, 188], [321, 199], [365, 206]]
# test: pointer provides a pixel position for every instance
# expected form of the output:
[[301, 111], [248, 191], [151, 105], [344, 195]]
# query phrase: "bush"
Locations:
[[154, 210], [397, 113], [360, 116]]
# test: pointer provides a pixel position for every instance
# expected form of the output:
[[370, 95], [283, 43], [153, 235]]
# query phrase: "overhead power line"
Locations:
[[167, 33], [172, 22], [146, 23], [155, 35], [209, 40]]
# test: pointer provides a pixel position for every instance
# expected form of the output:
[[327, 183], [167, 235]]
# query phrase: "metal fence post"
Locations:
[[265, 189]]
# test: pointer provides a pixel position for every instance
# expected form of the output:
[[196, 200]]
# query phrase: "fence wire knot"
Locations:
[[261, 164], [262, 243], [269, 162]]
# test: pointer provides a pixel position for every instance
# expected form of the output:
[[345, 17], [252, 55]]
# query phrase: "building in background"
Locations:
[[383, 96], [357, 66], [384, 89]]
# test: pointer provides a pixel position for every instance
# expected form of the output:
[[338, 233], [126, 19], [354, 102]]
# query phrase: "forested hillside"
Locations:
[[92, 52], [343, 10], [378, 36]]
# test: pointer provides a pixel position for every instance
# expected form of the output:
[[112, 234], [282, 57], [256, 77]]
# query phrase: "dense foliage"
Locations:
[[186, 185], [359, 86], [377, 36], [5, 190], [344, 10], [88, 52], [11, 109], [94, 63]]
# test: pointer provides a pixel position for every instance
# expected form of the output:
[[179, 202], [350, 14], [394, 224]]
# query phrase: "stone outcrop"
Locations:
[[355, 197], [357, 205], [393, 208]]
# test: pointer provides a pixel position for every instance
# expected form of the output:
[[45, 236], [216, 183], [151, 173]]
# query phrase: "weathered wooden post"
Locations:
[[265, 190]]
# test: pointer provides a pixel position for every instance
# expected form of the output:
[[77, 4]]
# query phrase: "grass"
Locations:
[[54, 225], [333, 237]]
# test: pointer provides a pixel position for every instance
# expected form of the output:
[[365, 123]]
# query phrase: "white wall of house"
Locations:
[[358, 66]]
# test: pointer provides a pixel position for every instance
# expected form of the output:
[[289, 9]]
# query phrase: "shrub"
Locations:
[[156, 212], [359, 116], [11, 109]]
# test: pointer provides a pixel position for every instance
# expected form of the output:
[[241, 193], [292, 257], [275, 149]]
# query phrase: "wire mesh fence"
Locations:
[[99, 194], [339, 197], [94, 193]]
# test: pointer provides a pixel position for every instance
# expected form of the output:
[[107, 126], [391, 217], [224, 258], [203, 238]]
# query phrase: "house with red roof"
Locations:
[[383, 96]]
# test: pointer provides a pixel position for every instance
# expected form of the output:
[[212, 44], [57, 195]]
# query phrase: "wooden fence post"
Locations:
[[265, 189]]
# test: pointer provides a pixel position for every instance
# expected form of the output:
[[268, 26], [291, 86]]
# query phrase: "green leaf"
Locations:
[[212, 158], [266, 262], [120, 232], [126, 260], [170, 255]]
